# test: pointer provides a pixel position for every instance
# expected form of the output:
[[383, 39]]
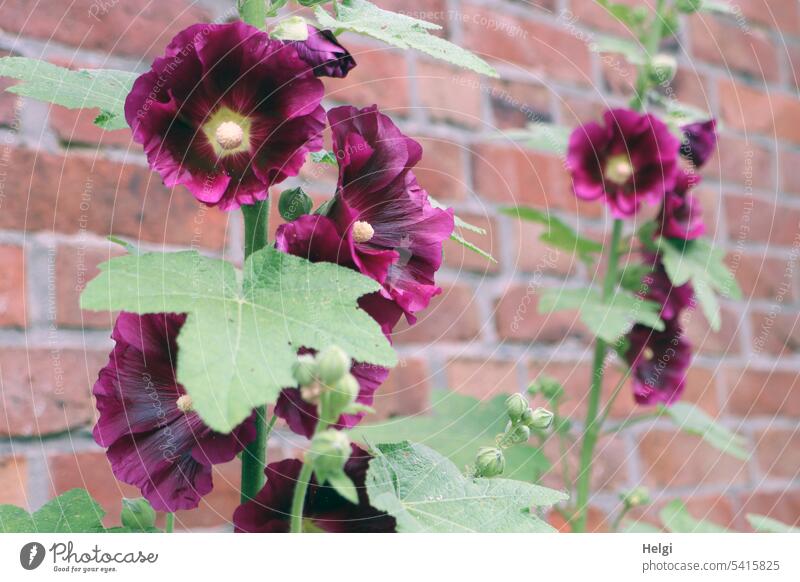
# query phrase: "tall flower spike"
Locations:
[[659, 361], [227, 112]]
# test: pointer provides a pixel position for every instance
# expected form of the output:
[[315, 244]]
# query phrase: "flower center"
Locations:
[[184, 403], [229, 135], [648, 353], [362, 231], [619, 168]]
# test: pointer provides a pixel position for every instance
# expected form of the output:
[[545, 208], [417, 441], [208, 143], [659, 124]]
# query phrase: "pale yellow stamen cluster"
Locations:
[[619, 169], [362, 231], [229, 135], [184, 403]]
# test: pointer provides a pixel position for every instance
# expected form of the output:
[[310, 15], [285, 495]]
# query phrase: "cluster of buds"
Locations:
[[327, 455], [490, 461], [325, 380], [635, 498], [548, 387]]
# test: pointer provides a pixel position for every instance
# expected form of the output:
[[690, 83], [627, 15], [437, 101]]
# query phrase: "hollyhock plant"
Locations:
[[681, 215], [227, 112], [659, 361], [324, 54], [659, 288], [324, 509], [154, 439], [630, 158], [699, 141]]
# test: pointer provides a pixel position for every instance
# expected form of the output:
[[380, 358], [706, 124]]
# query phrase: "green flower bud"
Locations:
[[295, 202], [489, 462], [137, 514], [663, 68], [547, 386], [519, 433], [292, 28], [516, 405], [636, 497], [328, 453], [338, 398], [332, 365], [304, 370], [689, 6], [540, 419]]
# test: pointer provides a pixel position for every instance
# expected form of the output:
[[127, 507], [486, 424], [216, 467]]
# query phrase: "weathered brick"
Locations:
[[590, 13], [518, 318], [783, 505], [531, 255], [14, 481], [441, 170], [381, 77], [754, 392], [451, 316], [12, 286], [739, 161], [405, 391], [515, 104], [788, 162], [775, 331], [752, 111], [457, 256], [781, 14], [762, 277], [482, 378], [448, 94], [778, 452], [609, 466], [705, 340], [76, 127], [46, 390], [757, 220], [75, 266]]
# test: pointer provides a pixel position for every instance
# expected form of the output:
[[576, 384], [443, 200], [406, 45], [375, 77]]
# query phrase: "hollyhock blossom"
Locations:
[[699, 141], [681, 214], [324, 509], [659, 361], [324, 54], [154, 439], [659, 288], [630, 158], [227, 112]]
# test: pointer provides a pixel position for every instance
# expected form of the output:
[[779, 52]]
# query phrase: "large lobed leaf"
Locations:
[[87, 88], [399, 30], [240, 339], [427, 493], [694, 421], [72, 512], [455, 427]]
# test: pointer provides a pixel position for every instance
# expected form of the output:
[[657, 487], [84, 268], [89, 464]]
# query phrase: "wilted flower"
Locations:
[[324, 54], [659, 361], [631, 158], [155, 441], [324, 509], [227, 112], [681, 214], [699, 141]]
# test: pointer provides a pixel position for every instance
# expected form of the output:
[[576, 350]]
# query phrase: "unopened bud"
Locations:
[[328, 453], [540, 419], [636, 497], [547, 386], [292, 28], [338, 398], [332, 365], [137, 514], [294, 203], [489, 462], [516, 405], [304, 370], [663, 68], [518, 433]]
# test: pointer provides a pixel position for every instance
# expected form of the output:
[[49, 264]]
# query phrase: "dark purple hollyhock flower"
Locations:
[[395, 232], [227, 112], [681, 214], [324, 54], [154, 440], [659, 288], [699, 141], [324, 510], [659, 361], [630, 158], [302, 416]]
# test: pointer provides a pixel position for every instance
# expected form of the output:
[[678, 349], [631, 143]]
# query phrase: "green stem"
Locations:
[[300, 489], [618, 520], [256, 224], [629, 422], [170, 525], [592, 427], [253, 12]]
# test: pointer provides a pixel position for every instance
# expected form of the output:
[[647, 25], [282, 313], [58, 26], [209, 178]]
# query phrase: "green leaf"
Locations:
[[558, 234], [629, 526], [344, 486], [632, 51], [632, 275], [703, 265], [102, 88], [72, 512], [137, 515], [694, 421], [545, 137], [456, 427], [324, 157], [764, 524], [676, 519], [243, 331], [464, 225], [427, 493], [401, 31], [607, 321]]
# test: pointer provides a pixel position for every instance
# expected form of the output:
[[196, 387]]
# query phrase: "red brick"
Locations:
[[705, 340], [457, 256], [14, 481], [619, 76], [12, 286], [69, 194], [609, 466], [482, 378], [788, 162], [741, 162], [596, 521], [758, 220], [778, 453], [441, 170], [753, 392], [781, 14], [753, 111], [775, 332], [448, 94], [531, 255], [451, 316], [76, 265], [8, 101], [590, 13], [762, 277], [719, 509], [380, 77], [46, 390], [124, 28], [690, 86], [518, 318], [673, 459], [783, 505], [726, 44], [76, 127], [515, 104], [549, 52], [405, 391]]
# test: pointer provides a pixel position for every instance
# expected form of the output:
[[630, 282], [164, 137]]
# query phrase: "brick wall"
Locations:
[[64, 185]]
